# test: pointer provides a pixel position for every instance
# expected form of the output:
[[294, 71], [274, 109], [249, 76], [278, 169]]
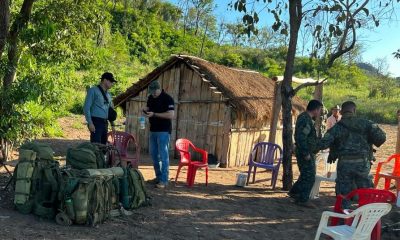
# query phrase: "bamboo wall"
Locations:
[[202, 116], [245, 133]]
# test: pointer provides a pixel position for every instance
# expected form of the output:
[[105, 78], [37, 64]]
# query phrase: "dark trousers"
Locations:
[[352, 172], [302, 188], [100, 135]]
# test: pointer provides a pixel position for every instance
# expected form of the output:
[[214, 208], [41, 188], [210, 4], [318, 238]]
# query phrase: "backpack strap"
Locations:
[[104, 94]]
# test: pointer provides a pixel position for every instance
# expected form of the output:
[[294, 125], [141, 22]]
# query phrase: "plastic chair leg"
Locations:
[[189, 175], [387, 183], [315, 189], [274, 178], [207, 176], [177, 173], [254, 174], [248, 175], [376, 232], [193, 175]]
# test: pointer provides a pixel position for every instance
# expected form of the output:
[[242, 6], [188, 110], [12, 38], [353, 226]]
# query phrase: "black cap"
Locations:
[[109, 76]]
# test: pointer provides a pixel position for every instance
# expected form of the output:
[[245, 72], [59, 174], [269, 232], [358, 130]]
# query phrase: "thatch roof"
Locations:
[[246, 90]]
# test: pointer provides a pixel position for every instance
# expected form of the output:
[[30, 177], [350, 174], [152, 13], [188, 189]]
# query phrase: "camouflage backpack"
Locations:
[[36, 180], [86, 156], [133, 192], [87, 199]]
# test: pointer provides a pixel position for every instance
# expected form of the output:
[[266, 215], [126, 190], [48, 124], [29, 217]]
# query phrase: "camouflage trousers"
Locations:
[[302, 187], [352, 173]]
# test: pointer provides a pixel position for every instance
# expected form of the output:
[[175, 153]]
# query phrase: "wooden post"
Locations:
[[398, 132], [318, 96], [276, 109]]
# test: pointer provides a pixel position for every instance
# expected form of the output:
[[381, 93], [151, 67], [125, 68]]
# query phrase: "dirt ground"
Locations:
[[217, 211]]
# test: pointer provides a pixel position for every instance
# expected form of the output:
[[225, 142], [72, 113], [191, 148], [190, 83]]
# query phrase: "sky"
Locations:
[[379, 43]]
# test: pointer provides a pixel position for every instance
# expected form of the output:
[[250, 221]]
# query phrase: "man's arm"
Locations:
[[88, 104], [303, 129], [376, 135], [166, 115], [329, 123], [328, 138]]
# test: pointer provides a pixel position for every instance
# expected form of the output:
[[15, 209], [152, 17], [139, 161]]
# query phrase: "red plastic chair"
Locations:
[[183, 146], [121, 141], [395, 175], [365, 196]]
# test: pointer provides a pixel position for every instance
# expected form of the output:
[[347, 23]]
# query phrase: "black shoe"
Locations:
[[154, 181], [292, 195]]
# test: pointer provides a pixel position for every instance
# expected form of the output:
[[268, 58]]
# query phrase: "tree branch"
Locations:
[[308, 84], [4, 23]]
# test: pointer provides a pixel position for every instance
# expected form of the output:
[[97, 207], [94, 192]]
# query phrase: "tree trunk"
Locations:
[[13, 52], [204, 39], [295, 14], [4, 23], [197, 22]]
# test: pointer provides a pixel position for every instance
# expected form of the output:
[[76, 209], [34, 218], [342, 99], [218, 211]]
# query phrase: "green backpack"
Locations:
[[86, 156], [23, 177], [46, 196], [86, 199], [36, 180], [137, 195]]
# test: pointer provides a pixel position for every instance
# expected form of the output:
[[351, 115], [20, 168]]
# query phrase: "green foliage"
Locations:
[[68, 44], [232, 60]]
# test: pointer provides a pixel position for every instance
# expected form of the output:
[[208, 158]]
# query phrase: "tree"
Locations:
[[397, 54], [35, 34], [4, 23], [341, 21]]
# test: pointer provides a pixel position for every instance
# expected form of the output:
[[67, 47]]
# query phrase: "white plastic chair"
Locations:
[[329, 174], [365, 219]]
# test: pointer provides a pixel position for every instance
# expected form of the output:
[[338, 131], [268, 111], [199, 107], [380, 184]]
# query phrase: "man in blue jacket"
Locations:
[[96, 108]]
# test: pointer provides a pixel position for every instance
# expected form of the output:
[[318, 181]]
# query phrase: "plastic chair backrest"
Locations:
[[266, 153], [396, 167], [367, 196], [366, 217], [183, 146], [121, 141]]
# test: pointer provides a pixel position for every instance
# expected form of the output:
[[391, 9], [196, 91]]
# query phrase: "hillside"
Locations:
[[64, 54]]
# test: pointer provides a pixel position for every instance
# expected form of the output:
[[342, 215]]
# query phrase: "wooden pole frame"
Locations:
[[276, 109], [318, 95]]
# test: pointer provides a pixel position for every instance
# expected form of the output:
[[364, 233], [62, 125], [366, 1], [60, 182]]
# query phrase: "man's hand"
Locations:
[[150, 114], [91, 127]]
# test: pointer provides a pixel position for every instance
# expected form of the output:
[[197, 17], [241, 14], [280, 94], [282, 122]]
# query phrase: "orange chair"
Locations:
[[395, 175], [121, 140], [183, 146]]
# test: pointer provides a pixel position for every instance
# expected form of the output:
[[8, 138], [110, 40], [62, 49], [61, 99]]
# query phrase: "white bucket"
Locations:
[[241, 179]]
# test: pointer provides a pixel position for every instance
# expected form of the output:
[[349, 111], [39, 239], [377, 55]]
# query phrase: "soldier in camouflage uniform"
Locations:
[[350, 141], [306, 143]]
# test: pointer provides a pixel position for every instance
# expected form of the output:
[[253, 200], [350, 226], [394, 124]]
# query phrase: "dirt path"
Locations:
[[218, 211]]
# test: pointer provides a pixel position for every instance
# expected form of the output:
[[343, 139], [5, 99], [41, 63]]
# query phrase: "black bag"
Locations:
[[112, 114]]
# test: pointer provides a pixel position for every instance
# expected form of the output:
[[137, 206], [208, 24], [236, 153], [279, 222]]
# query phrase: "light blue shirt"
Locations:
[[95, 106]]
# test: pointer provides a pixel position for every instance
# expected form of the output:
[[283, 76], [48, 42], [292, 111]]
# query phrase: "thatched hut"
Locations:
[[220, 109]]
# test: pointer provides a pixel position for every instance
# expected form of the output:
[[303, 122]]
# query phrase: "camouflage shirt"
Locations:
[[352, 137], [305, 135]]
